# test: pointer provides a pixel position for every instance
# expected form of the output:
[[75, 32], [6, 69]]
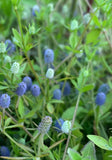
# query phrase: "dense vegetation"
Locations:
[[55, 79]]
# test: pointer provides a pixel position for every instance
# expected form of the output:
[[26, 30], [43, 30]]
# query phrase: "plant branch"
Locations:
[[73, 120]]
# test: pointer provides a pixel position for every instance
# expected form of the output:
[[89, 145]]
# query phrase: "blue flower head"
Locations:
[[58, 124], [21, 89], [35, 9], [4, 100], [28, 82], [48, 56], [10, 47], [104, 88], [67, 88], [100, 98], [4, 151], [35, 90], [57, 94]]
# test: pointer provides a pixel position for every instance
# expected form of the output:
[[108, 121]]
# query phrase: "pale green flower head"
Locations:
[[2, 47], [50, 73], [66, 127], [15, 68]]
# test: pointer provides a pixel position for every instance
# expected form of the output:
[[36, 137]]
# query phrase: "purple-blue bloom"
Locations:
[[5, 100], [104, 88], [21, 89], [35, 90], [10, 47], [48, 56], [100, 98], [35, 9], [58, 124], [28, 82], [4, 151], [67, 88], [57, 94]]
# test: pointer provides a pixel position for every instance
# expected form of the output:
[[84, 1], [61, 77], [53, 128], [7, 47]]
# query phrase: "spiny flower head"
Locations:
[[45, 125], [15, 68], [48, 56], [35, 90], [4, 100], [10, 47], [4, 151], [66, 127], [57, 94], [104, 88], [21, 89], [67, 88], [35, 9], [58, 124], [28, 82], [2, 47], [50, 73], [100, 98]]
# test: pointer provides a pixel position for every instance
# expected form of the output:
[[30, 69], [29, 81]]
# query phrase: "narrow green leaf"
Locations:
[[92, 36], [16, 35], [89, 151], [56, 101], [100, 142], [87, 88], [73, 39], [110, 141], [50, 108], [73, 154], [3, 87], [7, 122], [21, 108]]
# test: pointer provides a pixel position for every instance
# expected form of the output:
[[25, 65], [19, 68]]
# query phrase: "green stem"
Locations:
[[40, 57], [97, 111], [40, 144], [20, 25]]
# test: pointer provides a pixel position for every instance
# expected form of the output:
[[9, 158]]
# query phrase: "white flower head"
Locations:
[[66, 127], [15, 68], [50, 73]]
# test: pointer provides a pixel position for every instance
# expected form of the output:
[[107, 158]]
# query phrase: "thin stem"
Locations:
[[17, 122], [40, 143], [73, 6], [40, 57], [89, 5], [80, 7], [20, 146], [73, 120]]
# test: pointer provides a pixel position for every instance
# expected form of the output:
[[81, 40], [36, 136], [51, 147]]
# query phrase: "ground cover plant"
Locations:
[[55, 79]]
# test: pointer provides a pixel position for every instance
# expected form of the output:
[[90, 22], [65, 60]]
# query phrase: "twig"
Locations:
[[80, 6], [107, 38], [73, 120], [89, 5]]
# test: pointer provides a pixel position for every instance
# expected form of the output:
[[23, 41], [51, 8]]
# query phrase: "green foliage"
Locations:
[[100, 142], [80, 38]]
